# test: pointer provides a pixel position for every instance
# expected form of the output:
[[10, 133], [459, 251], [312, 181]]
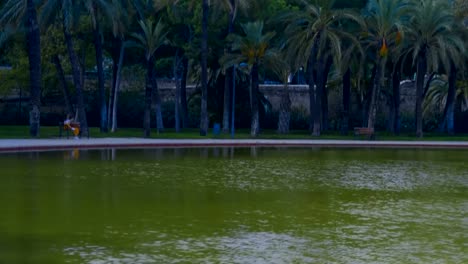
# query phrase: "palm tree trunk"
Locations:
[[148, 98], [323, 83], [77, 80], [204, 71], [379, 72], [420, 75], [312, 86], [285, 111], [227, 100], [183, 93], [116, 88], [63, 83], [112, 91], [449, 111], [318, 97], [366, 98], [346, 102], [157, 101], [229, 76], [115, 54], [100, 74], [255, 119], [34, 57], [396, 100], [177, 77]]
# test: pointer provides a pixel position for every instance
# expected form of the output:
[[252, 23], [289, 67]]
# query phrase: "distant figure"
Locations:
[[70, 123], [301, 76]]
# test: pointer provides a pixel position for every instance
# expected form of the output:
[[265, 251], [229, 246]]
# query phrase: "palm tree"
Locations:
[[283, 66], [384, 30], [12, 16], [121, 17], [98, 9], [150, 39], [34, 56], [439, 95], [313, 35], [352, 60], [432, 41], [254, 49], [231, 7], [122, 12], [181, 16], [68, 12], [204, 70]]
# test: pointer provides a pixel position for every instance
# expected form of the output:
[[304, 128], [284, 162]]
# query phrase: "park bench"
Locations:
[[364, 131]]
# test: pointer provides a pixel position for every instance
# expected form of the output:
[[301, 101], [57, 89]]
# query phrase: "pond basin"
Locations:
[[234, 205]]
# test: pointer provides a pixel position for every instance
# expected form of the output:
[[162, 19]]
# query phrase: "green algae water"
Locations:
[[234, 205]]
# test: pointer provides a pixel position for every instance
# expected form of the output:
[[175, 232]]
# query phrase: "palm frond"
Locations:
[[151, 38], [13, 12]]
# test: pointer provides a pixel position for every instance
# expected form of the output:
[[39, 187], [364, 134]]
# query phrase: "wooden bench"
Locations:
[[364, 131]]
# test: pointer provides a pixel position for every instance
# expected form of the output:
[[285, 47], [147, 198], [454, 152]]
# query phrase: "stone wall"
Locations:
[[299, 95]]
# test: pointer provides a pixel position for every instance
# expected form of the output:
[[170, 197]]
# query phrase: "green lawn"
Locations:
[[9, 132]]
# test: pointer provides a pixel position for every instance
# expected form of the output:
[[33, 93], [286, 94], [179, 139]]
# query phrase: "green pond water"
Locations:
[[234, 205]]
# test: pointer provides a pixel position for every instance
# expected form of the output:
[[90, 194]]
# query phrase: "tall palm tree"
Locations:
[[150, 39], [254, 49], [313, 34], [34, 56], [351, 62], [120, 23], [432, 42], [231, 7], [384, 30], [122, 13], [283, 66], [98, 9], [204, 70], [14, 15], [69, 12]]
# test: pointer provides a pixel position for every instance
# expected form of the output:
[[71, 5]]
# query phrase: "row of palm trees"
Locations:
[[420, 34], [393, 36]]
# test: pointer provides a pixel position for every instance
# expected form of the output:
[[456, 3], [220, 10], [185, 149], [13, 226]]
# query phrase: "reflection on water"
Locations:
[[242, 247], [234, 205]]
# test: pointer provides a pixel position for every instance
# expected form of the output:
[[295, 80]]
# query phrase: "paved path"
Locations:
[[8, 145]]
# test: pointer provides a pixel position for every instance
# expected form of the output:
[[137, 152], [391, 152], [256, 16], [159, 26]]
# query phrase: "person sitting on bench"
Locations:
[[69, 123]]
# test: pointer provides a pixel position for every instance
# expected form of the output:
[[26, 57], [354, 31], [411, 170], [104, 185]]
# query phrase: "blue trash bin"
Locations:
[[216, 129]]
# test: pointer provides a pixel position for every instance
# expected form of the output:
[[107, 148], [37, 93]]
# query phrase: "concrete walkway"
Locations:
[[12, 145]]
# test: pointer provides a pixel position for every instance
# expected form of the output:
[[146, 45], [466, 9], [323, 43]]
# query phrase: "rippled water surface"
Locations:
[[234, 205]]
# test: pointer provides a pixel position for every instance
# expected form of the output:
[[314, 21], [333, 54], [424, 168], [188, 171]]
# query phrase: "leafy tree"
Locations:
[[52, 51]]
